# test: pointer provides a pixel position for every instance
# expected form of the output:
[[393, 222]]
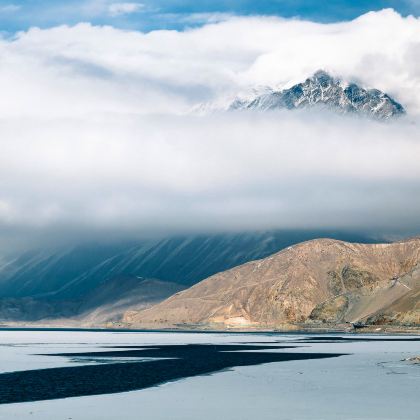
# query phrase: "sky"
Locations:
[[146, 15], [99, 136]]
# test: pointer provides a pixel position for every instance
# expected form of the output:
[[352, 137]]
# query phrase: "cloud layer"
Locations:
[[96, 134]]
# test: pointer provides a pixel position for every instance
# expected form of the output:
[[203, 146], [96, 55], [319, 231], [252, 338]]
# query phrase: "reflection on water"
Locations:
[[112, 376]]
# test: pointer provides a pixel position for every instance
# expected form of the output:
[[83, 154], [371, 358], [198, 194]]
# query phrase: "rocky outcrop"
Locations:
[[317, 281]]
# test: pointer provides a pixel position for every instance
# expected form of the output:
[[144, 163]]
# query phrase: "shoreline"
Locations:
[[209, 329]]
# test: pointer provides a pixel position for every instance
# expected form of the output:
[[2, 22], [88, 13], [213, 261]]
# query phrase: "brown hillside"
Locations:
[[322, 280]]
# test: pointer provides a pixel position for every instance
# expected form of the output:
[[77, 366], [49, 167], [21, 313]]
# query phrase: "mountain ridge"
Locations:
[[321, 90]]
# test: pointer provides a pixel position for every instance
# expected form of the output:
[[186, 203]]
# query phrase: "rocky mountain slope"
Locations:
[[319, 281], [323, 91]]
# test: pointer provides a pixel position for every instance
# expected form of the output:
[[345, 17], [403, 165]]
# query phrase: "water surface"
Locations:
[[160, 375]]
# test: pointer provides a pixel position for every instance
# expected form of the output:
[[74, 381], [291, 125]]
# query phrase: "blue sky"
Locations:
[[147, 15]]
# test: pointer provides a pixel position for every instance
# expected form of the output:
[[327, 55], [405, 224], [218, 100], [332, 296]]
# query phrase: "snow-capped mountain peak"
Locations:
[[322, 90]]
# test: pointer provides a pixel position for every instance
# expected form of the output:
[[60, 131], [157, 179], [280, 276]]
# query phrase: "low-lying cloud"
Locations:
[[96, 133]]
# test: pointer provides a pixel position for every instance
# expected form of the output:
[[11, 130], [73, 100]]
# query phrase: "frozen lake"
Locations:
[[232, 376]]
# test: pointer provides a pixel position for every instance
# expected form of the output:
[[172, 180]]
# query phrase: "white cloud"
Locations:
[[95, 134], [170, 70], [9, 8], [117, 9]]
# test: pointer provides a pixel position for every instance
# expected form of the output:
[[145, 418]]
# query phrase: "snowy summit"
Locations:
[[324, 90]]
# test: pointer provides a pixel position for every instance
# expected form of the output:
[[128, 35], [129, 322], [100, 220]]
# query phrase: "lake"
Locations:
[[70, 374]]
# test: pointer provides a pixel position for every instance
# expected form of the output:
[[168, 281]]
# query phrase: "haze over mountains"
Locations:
[[95, 284]]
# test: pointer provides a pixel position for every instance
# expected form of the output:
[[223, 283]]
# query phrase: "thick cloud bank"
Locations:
[[96, 135]]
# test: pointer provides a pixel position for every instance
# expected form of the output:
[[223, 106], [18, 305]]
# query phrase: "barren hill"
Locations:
[[322, 280]]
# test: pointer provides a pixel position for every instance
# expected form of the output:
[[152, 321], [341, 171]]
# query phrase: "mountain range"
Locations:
[[94, 283]]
